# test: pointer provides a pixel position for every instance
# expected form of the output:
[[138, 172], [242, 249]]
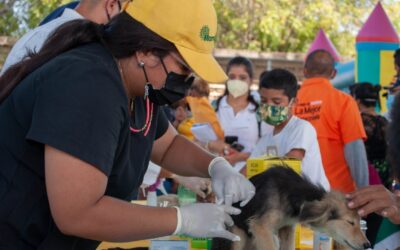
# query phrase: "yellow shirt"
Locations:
[[184, 128]]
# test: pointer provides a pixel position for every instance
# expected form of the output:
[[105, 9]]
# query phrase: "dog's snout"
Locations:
[[367, 245]]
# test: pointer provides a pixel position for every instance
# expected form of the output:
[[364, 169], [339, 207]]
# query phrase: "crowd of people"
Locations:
[[88, 98]]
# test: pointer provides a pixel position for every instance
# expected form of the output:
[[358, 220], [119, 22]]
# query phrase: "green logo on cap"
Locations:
[[205, 34]]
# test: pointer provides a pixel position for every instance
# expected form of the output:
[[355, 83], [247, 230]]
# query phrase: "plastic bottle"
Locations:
[[152, 194], [152, 198], [363, 227], [186, 196], [322, 241]]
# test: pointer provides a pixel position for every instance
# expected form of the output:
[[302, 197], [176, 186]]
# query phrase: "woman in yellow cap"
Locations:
[[80, 119]]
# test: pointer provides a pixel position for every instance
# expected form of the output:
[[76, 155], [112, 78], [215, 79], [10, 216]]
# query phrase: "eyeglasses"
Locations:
[[123, 4], [185, 66]]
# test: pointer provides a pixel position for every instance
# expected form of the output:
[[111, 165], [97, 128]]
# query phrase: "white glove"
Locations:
[[195, 184], [228, 185], [206, 220]]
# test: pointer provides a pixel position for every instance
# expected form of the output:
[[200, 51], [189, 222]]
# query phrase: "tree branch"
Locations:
[[7, 7]]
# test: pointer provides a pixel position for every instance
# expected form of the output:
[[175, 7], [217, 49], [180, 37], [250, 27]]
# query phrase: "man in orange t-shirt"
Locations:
[[337, 120]]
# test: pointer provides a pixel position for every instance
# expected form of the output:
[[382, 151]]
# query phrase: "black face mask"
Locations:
[[175, 88]]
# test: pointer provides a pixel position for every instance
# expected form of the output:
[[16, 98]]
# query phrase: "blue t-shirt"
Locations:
[[58, 12]]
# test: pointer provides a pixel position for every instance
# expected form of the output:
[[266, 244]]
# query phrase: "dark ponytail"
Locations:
[[123, 36]]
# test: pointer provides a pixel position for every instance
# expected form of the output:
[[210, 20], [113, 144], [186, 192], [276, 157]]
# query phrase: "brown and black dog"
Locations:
[[283, 199]]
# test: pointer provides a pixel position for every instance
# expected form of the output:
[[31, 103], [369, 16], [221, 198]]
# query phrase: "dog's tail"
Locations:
[[221, 244]]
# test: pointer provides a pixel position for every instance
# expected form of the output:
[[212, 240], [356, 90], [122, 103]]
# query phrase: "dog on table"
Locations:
[[284, 198]]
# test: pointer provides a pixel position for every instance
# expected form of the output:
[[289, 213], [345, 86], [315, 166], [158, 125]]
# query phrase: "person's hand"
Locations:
[[206, 220], [232, 155], [195, 184], [236, 156], [376, 199], [217, 146], [228, 185]]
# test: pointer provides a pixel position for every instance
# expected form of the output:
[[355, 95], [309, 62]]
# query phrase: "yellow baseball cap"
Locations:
[[191, 25]]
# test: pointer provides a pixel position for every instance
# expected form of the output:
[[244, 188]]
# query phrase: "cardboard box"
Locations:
[[260, 164]]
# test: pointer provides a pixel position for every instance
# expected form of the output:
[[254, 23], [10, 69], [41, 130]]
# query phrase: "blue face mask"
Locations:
[[389, 102]]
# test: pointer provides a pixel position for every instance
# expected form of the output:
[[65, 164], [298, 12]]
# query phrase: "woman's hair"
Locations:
[[366, 93], [248, 66], [241, 61], [123, 36], [394, 137]]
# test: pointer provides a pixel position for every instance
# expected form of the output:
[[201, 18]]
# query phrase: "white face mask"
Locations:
[[237, 87]]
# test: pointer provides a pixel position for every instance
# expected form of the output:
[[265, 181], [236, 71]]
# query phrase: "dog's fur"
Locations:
[[284, 198]]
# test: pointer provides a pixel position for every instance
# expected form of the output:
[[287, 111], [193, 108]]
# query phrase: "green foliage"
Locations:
[[262, 25], [291, 25], [8, 22], [17, 16]]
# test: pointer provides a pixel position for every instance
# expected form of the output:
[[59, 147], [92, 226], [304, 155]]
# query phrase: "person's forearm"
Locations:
[[244, 156], [165, 174], [241, 156], [356, 159], [115, 220], [185, 158]]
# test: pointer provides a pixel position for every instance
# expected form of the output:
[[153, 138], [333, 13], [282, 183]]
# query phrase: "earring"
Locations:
[[120, 68], [141, 64]]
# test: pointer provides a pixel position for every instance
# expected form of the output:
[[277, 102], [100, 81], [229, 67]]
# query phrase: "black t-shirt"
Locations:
[[76, 103]]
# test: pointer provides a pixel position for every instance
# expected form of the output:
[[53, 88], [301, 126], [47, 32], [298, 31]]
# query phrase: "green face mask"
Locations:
[[274, 115]]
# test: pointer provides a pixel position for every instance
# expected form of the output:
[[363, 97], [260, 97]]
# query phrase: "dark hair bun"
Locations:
[[378, 88], [367, 93]]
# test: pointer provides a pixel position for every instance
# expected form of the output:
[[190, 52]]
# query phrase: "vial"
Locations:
[[363, 226], [322, 241]]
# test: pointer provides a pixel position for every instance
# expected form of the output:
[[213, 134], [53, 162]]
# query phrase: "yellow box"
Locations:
[[260, 164], [303, 238]]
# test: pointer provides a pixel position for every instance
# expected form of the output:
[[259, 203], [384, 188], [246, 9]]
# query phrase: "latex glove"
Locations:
[[206, 220], [195, 184], [228, 185]]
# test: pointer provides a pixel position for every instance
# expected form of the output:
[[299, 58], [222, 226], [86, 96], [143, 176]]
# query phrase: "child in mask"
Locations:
[[291, 136]]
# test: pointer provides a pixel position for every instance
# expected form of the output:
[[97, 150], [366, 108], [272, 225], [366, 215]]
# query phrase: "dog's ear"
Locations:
[[313, 211]]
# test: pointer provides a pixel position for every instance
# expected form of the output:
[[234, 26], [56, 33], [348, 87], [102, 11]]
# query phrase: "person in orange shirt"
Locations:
[[337, 120]]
